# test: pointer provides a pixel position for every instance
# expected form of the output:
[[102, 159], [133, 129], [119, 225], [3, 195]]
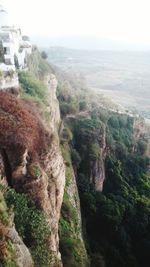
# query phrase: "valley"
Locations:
[[122, 76]]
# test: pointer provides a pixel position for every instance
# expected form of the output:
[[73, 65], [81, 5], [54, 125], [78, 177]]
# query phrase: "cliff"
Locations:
[[32, 175], [108, 152], [72, 244], [74, 189], [53, 101], [31, 163]]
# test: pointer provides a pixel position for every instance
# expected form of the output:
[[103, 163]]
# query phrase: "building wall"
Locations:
[[9, 82], [9, 52], [13, 52]]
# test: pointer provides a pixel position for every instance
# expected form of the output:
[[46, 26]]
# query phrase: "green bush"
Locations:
[[94, 151], [113, 122], [38, 66], [82, 105], [68, 108], [44, 55], [33, 87]]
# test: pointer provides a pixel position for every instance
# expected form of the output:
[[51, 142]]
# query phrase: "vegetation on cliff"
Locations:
[[71, 243], [7, 252], [31, 224], [116, 221], [24, 142]]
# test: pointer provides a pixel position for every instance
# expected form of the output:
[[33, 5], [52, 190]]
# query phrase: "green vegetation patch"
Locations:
[[7, 251], [34, 170], [4, 210], [31, 225], [116, 221], [71, 246], [33, 87], [37, 65]]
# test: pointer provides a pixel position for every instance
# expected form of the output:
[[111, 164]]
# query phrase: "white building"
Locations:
[[13, 49]]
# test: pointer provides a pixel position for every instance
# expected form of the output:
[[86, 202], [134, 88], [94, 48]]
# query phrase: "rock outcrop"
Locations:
[[97, 174], [53, 101], [139, 127], [21, 256], [97, 166]]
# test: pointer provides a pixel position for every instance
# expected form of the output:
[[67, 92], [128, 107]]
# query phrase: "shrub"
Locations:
[[141, 147], [38, 67], [82, 105], [31, 225], [44, 55], [68, 108], [75, 156], [94, 151], [34, 170], [113, 122], [32, 86]]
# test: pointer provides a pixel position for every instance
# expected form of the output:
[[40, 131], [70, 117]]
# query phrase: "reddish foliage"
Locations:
[[21, 127]]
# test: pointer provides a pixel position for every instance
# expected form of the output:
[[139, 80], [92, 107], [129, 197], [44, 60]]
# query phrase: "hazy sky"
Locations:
[[125, 20]]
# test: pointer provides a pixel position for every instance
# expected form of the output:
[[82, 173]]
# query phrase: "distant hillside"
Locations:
[[121, 75], [86, 42]]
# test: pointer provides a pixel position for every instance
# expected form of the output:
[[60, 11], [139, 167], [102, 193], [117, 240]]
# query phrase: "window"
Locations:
[[7, 50]]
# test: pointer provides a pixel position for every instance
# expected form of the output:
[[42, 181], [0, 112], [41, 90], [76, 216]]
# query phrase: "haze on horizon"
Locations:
[[125, 21]]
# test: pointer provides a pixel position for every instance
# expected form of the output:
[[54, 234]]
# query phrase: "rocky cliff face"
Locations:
[[97, 166], [21, 256], [31, 163], [98, 174], [142, 130], [53, 101], [8, 232], [71, 237], [139, 127]]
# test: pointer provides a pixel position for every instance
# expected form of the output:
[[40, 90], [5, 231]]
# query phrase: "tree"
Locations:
[[44, 55], [1, 52], [141, 147]]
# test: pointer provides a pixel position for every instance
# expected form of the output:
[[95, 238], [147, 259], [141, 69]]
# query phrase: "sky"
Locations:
[[123, 20]]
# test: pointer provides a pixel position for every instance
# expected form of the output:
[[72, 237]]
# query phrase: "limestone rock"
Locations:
[[97, 167]]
